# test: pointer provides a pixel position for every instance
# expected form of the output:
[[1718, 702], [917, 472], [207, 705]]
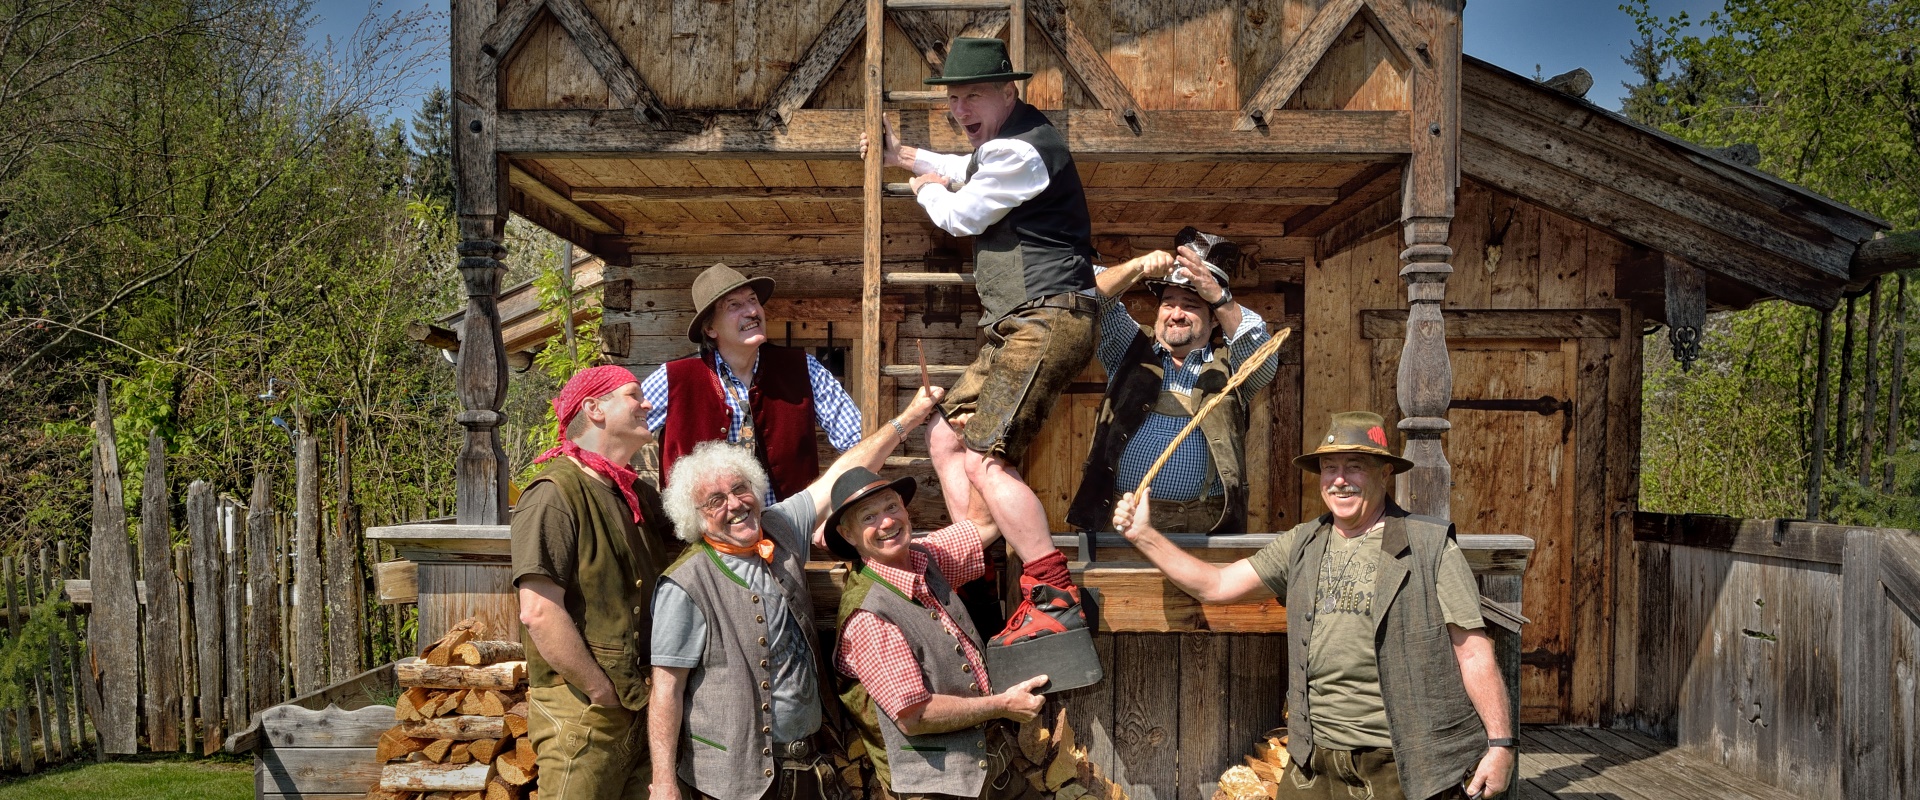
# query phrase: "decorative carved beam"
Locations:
[[814, 67], [1284, 79], [480, 473], [1686, 297], [629, 89], [507, 28], [1085, 61], [1424, 385]]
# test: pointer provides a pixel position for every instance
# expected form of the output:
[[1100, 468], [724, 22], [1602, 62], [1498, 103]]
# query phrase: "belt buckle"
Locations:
[[798, 749]]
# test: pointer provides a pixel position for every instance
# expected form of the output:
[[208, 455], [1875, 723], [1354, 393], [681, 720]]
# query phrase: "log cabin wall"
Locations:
[[1545, 419]]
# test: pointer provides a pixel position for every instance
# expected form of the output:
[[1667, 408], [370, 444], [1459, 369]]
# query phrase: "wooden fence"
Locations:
[[185, 644], [1786, 651], [46, 725]]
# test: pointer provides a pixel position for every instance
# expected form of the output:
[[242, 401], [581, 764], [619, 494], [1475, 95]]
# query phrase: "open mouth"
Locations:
[[888, 537], [974, 129], [750, 325]]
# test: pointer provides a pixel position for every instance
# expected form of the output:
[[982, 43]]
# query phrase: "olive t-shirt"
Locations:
[[1343, 670]]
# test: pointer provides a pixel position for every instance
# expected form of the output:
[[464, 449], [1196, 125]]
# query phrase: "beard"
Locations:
[[1179, 337]]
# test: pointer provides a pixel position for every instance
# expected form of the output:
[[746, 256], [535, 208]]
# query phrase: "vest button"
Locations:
[[933, 615], [981, 743], [767, 773], [756, 598], [763, 662], [966, 667], [983, 763], [956, 648], [766, 729], [766, 706], [636, 610], [640, 584], [766, 751], [765, 685], [763, 640], [758, 618]]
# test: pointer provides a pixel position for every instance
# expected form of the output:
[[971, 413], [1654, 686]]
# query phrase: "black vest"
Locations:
[[1044, 246], [1131, 394]]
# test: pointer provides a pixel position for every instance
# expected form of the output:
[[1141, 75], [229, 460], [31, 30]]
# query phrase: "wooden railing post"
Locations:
[[1424, 385], [480, 478]]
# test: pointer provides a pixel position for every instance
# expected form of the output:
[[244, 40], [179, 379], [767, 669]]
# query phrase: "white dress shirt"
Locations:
[[1010, 172]]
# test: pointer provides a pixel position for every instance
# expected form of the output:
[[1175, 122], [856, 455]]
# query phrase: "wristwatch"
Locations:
[[1225, 298], [1507, 742]]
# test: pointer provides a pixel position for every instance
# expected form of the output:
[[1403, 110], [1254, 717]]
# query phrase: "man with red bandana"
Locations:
[[589, 542], [1019, 196]]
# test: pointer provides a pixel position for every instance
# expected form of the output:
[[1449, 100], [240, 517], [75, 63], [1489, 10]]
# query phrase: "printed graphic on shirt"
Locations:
[[1346, 579]]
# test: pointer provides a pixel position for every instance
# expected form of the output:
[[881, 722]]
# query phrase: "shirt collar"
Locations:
[[912, 581], [1206, 353], [725, 371]]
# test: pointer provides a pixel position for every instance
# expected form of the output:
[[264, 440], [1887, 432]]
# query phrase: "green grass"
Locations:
[[170, 778]]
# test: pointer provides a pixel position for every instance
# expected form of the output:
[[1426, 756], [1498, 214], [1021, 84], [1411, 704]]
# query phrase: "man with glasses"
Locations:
[[737, 672]]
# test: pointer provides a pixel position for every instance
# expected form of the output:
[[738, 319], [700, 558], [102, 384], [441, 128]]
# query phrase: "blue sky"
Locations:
[[1555, 35]]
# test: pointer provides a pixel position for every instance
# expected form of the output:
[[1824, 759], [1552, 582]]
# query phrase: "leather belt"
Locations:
[[798, 749], [1071, 301]]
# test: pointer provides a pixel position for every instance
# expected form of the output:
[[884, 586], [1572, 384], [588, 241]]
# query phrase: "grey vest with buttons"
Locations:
[[1438, 738], [942, 763], [726, 732], [1043, 246]]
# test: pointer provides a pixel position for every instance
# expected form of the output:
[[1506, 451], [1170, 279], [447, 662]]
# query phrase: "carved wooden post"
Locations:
[[481, 479], [1425, 380]]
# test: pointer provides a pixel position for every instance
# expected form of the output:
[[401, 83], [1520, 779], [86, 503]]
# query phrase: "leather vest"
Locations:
[[780, 403], [1132, 393], [723, 734], [1438, 738], [1043, 246], [953, 763], [615, 572]]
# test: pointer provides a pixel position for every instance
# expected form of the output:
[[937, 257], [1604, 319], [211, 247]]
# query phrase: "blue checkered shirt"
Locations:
[[1189, 472], [836, 412]]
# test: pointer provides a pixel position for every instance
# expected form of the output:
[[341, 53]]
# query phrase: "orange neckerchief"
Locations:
[[763, 548]]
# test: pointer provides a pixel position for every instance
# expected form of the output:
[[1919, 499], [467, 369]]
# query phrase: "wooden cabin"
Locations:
[[1474, 255]]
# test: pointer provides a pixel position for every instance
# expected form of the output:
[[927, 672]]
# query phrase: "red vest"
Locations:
[[781, 403]]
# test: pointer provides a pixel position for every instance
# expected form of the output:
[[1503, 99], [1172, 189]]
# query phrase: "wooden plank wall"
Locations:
[[1207, 55], [1508, 254]]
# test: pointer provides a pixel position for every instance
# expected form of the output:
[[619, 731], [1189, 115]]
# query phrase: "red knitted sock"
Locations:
[[1050, 570]]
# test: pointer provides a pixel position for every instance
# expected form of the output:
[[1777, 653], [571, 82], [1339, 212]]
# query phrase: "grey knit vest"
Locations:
[[726, 730], [942, 763]]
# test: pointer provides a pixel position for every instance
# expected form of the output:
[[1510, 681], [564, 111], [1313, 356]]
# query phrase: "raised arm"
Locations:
[[873, 449], [1207, 583], [1115, 281]]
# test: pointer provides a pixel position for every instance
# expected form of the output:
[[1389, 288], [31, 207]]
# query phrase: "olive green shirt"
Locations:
[[1343, 672]]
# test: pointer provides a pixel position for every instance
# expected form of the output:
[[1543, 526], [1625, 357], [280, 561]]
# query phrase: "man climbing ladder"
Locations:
[[1020, 199]]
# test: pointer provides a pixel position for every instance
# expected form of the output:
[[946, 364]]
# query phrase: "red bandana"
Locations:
[[588, 383]]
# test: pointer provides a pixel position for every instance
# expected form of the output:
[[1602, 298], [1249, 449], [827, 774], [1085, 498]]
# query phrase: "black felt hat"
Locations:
[[971, 60], [851, 487], [1219, 253]]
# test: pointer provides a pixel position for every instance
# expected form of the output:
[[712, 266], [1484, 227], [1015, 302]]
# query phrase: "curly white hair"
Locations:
[[695, 472]]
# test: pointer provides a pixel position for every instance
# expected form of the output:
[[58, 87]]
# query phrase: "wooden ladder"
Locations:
[[874, 281]]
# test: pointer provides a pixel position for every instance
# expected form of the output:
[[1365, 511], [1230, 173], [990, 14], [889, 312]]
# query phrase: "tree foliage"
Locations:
[[1829, 92]]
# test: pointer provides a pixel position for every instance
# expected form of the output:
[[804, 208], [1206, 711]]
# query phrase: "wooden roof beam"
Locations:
[[628, 88], [814, 133], [816, 65], [1280, 82], [508, 26], [1085, 61], [1252, 195], [1877, 257]]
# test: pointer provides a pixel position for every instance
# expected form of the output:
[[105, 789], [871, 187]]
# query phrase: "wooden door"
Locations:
[[1512, 449]]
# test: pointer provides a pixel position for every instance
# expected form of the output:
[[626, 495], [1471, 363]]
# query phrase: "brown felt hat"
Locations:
[[714, 283], [1354, 432]]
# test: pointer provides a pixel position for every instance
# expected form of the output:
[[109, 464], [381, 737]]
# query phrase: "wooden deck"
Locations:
[[1596, 764]]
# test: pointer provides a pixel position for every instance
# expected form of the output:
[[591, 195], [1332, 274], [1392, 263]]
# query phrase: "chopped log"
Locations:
[[1262, 768], [394, 744], [448, 703], [462, 753], [493, 704], [413, 672], [479, 652], [511, 772], [1035, 740], [522, 754], [462, 728], [377, 793], [437, 796], [464, 631], [438, 750], [1071, 791], [470, 703], [407, 705], [1036, 777], [485, 749], [850, 775], [1240, 783], [1062, 734], [469, 795], [517, 719], [501, 790], [422, 777], [856, 749], [1065, 767]]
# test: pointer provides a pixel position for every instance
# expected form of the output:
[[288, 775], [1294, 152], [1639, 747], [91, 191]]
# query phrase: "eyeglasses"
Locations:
[[718, 501]]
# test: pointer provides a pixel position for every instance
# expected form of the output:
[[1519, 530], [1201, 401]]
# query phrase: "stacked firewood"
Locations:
[[462, 732], [1259, 778], [1053, 764]]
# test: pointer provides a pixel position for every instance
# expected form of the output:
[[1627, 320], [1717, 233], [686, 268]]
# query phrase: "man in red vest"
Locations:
[[741, 389]]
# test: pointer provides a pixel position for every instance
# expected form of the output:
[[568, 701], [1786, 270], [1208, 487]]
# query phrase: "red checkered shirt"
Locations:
[[875, 652]]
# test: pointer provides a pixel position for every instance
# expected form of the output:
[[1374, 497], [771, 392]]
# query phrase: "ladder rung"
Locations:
[[949, 5], [929, 278], [895, 190], [909, 461], [928, 98], [911, 371]]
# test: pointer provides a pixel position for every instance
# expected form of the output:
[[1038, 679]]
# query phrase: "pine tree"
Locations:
[[433, 149]]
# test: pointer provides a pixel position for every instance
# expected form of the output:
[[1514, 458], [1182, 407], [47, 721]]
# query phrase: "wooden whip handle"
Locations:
[[1240, 375]]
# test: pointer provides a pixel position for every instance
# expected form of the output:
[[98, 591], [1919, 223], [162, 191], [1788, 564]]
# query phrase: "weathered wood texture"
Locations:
[[1624, 765], [1531, 313], [161, 631], [113, 639], [309, 581], [263, 649], [1774, 648], [345, 569], [207, 578]]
